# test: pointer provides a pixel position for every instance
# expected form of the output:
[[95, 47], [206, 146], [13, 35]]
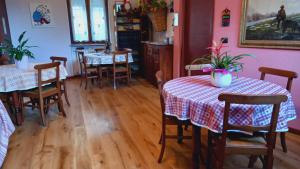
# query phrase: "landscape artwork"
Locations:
[[270, 24], [41, 14]]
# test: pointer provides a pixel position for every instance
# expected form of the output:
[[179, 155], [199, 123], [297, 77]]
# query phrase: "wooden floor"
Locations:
[[107, 129]]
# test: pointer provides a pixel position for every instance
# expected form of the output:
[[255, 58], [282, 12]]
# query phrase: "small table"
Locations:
[[14, 81], [196, 99], [106, 59], [6, 130]]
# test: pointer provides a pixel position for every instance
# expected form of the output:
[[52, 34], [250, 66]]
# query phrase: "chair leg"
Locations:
[[86, 82], [209, 151], [283, 142], [115, 86], [252, 161], [269, 161], [160, 140], [60, 105], [163, 144], [186, 127], [42, 113], [100, 76], [66, 92], [179, 133]]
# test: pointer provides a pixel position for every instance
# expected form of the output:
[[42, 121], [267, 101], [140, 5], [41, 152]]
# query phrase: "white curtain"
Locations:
[[79, 20], [98, 20]]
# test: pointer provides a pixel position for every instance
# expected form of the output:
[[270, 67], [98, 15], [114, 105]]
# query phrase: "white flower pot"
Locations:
[[22, 64], [221, 79]]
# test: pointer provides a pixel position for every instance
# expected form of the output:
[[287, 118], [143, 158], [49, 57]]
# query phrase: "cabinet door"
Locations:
[[4, 26]]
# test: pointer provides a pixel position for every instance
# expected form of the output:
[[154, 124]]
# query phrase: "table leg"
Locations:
[[196, 146], [18, 108], [179, 133]]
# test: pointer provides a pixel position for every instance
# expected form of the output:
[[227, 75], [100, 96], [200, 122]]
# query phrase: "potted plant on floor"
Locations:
[[19, 53], [157, 11], [223, 65]]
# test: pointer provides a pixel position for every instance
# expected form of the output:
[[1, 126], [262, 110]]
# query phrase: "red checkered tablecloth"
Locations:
[[196, 99]]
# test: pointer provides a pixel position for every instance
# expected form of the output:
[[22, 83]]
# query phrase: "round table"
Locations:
[[14, 81], [6, 130], [196, 99]]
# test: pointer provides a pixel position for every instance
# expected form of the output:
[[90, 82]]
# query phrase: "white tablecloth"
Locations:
[[6, 130], [13, 79], [106, 59]]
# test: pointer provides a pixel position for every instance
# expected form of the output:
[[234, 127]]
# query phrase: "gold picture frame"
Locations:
[[258, 33]]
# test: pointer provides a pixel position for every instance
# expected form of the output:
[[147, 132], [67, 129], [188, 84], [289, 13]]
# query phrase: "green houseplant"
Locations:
[[20, 53], [157, 12]]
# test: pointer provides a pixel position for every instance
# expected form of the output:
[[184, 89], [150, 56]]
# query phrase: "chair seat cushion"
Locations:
[[35, 91], [244, 141]]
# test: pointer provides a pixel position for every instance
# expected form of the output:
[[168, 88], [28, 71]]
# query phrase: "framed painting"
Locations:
[[41, 14], [270, 24]]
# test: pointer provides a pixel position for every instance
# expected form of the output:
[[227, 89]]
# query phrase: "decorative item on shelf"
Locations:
[[157, 12], [20, 53], [223, 65], [226, 18]]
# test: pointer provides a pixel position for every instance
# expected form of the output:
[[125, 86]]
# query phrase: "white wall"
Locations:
[[50, 41]]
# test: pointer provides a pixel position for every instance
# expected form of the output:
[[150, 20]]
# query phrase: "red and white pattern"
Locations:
[[196, 99], [6, 130], [13, 79]]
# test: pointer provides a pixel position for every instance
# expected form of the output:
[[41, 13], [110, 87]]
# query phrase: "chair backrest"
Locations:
[[98, 50], [59, 59], [160, 84], [4, 60], [55, 80], [278, 72], [123, 53], [230, 99], [197, 65]]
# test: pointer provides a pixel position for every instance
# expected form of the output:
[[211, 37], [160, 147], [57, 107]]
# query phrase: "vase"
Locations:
[[22, 64], [221, 79]]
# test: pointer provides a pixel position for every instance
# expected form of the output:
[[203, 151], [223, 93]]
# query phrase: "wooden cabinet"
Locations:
[[158, 57]]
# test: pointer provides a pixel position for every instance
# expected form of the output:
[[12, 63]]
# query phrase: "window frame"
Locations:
[[88, 10]]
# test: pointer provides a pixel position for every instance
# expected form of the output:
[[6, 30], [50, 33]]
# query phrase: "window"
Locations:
[[88, 21]]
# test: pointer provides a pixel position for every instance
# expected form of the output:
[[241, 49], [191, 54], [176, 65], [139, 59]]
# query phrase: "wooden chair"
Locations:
[[196, 66], [64, 89], [222, 145], [120, 68], [91, 72], [283, 73], [168, 120], [80, 56], [47, 89], [4, 60], [99, 50]]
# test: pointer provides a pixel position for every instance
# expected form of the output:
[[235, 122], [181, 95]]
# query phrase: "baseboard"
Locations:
[[295, 131]]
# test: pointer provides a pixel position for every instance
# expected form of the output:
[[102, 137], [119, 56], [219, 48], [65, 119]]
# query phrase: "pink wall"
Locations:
[[283, 59]]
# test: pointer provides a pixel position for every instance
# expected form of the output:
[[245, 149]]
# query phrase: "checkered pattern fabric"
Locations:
[[6, 130], [105, 59], [196, 99], [12, 79]]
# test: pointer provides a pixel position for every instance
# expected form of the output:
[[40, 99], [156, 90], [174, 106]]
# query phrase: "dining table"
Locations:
[[102, 58], [194, 98], [6, 130], [13, 81]]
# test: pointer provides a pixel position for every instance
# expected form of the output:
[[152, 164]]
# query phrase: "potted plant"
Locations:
[[223, 65], [157, 12], [19, 53]]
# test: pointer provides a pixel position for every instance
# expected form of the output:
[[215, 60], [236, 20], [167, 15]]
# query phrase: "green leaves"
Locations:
[[21, 50]]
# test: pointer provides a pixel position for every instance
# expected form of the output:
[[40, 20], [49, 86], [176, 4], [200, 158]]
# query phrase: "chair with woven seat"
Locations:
[[120, 68], [91, 72], [290, 75], [64, 89], [228, 143], [197, 65], [168, 121], [46, 90]]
